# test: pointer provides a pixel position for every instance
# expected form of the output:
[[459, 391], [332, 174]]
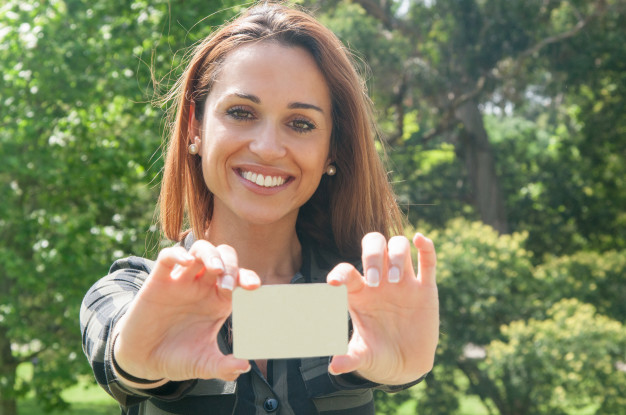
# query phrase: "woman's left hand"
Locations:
[[395, 313]]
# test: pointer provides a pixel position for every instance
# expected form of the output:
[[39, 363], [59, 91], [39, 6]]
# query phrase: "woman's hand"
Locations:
[[170, 330], [395, 314]]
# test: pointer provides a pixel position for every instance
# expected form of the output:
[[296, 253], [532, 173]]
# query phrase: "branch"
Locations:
[[481, 384], [600, 9], [398, 104], [448, 119], [384, 15], [375, 9], [446, 122], [29, 357]]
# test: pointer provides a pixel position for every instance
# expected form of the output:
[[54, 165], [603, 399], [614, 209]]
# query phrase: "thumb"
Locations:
[[229, 367], [344, 364]]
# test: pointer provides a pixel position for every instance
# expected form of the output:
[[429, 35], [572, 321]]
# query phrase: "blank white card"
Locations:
[[290, 321]]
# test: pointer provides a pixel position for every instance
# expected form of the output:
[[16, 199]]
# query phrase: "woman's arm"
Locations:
[[103, 306]]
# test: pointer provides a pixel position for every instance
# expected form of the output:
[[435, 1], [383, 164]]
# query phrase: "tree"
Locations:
[[78, 143], [523, 335], [571, 356], [451, 60]]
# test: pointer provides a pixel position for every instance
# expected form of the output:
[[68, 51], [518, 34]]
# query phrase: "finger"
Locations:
[[170, 258], [229, 367], [352, 361], [346, 274], [344, 364], [427, 259], [249, 279], [217, 365], [210, 258], [399, 253], [374, 254], [228, 280]]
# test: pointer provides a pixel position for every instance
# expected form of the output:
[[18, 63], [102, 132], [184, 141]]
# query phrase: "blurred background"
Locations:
[[505, 134]]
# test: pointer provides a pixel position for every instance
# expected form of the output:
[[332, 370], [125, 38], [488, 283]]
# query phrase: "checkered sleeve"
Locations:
[[104, 304]]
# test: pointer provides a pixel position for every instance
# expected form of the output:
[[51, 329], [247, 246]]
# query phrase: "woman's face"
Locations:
[[265, 133]]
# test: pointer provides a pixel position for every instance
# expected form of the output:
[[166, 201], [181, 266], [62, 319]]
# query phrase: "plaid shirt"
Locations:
[[293, 386]]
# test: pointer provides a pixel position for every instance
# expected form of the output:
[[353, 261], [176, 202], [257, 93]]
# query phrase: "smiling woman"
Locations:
[[272, 163]]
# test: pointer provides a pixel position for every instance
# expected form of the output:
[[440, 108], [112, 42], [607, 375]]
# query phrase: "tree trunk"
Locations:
[[8, 367], [481, 169]]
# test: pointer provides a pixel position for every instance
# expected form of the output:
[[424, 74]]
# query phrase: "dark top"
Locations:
[[293, 386]]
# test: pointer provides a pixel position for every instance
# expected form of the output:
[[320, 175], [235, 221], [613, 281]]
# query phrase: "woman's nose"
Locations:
[[267, 143]]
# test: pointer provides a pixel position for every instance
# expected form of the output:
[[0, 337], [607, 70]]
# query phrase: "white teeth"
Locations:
[[265, 181]]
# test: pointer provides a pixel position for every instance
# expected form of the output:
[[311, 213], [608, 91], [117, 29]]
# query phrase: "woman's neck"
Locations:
[[272, 251]]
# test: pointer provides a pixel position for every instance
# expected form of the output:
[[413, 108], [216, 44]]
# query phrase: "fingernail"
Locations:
[[185, 256], [372, 277], [217, 263], [334, 278], [228, 282], [332, 372], [177, 271], [394, 274], [247, 278]]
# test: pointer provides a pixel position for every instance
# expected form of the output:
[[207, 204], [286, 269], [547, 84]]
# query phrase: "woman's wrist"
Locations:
[[130, 380]]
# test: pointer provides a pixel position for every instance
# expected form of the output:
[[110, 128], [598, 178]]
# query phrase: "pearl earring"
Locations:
[[193, 147], [331, 170]]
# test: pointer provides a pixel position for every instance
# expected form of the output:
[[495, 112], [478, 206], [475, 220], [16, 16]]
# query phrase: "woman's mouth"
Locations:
[[261, 180]]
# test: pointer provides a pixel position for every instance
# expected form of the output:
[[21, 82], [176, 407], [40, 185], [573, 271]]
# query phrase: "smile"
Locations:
[[264, 181]]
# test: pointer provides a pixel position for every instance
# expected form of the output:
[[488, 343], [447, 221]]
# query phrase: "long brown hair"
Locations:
[[357, 200]]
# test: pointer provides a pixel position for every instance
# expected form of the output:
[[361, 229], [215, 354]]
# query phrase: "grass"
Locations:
[[87, 398]]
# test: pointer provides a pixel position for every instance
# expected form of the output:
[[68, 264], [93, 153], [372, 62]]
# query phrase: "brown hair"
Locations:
[[357, 200]]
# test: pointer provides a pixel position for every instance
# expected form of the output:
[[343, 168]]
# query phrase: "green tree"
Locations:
[[443, 63], [572, 356], [518, 331], [591, 277], [485, 281], [79, 164]]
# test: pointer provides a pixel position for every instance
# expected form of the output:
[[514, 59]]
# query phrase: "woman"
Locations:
[[272, 164]]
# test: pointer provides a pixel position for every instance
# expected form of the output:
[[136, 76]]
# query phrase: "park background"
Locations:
[[504, 126]]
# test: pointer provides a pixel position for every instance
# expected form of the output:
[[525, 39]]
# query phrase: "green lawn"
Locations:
[[86, 398], [89, 399]]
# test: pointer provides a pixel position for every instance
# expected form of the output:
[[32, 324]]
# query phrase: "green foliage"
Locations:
[[485, 280], [441, 395], [540, 173], [493, 300], [593, 278], [78, 143], [430, 183], [523, 57], [572, 356], [388, 404]]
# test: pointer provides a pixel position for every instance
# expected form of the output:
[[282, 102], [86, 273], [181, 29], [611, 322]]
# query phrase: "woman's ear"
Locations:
[[194, 124]]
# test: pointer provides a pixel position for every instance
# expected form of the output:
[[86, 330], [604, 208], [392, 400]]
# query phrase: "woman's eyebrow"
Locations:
[[293, 105], [249, 97], [305, 106]]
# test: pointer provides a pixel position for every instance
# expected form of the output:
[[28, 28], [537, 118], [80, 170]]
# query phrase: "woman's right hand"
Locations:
[[170, 330]]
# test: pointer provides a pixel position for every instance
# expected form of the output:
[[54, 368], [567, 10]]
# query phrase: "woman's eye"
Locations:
[[302, 125], [240, 113]]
